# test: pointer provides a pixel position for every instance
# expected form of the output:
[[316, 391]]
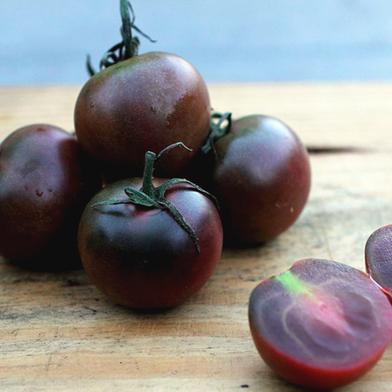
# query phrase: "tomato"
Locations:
[[150, 244], [139, 103], [378, 253], [45, 183], [321, 324], [261, 177]]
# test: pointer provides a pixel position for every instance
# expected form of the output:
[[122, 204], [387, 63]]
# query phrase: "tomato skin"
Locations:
[[261, 178], [307, 376], [141, 258], [378, 258], [45, 182], [144, 103]]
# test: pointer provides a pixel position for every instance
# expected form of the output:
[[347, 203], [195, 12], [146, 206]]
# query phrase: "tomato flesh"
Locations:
[[321, 324]]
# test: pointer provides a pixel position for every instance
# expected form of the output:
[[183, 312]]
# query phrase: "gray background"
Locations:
[[43, 41]]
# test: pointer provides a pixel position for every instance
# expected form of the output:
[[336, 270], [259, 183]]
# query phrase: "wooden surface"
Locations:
[[58, 333]]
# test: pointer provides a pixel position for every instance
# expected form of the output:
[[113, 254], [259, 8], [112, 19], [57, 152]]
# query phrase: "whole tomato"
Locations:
[[260, 174], [150, 244], [141, 102], [45, 183]]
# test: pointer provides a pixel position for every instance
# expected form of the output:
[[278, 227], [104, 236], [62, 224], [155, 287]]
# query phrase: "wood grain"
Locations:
[[58, 333]]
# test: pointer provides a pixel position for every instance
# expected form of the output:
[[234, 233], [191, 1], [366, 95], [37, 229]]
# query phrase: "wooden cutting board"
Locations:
[[58, 333]]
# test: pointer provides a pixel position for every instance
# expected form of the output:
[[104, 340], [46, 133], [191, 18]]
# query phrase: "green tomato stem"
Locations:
[[220, 125], [128, 47], [148, 187], [150, 196], [126, 29]]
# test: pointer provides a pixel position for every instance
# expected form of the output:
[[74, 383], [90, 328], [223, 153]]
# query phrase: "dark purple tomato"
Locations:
[[320, 324], [45, 183], [261, 178], [144, 103], [141, 257], [378, 256]]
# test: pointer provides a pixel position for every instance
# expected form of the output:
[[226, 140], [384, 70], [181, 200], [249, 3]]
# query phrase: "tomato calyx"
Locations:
[[220, 125], [150, 196], [128, 47]]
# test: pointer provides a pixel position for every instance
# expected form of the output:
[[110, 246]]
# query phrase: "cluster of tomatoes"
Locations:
[[141, 190], [144, 191]]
